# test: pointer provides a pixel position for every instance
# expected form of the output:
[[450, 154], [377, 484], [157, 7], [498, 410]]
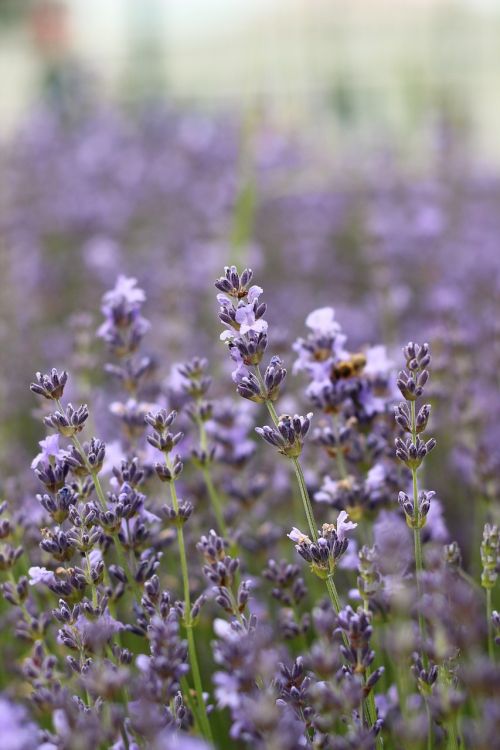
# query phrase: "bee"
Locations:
[[348, 368], [64, 572], [321, 354]]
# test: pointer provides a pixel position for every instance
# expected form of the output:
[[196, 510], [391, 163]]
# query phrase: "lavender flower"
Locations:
[[289, 434], [106, 612], [50, 385], [124, 327], [324, 553], [50, 449]]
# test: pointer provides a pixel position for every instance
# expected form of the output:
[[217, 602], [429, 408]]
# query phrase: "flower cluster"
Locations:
[[412, 450], [326, 550], [151, 598]]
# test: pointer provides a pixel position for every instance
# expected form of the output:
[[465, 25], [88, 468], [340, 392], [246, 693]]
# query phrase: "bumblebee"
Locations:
[[320, 355], [348, 368], [64, 572]]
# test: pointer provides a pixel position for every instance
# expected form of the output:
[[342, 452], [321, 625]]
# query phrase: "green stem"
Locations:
[[419, 568], [452, 743], [234, 604], [333, 594], [429, 724], [186, 691], [306, 501], [371, 711], [418, 574], [417, 540], [272, 411], [90, 581], [330, 585], [491, 649], [195, 669], [214, 496], [452, 740], [212, 492], [123, 562], [193, 658], [215, 501]]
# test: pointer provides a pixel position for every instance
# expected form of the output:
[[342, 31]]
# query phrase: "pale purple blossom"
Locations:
[[95, 557], [328, 490], [143, 662], [254, 293], [39, 575], [245, 316], [377, 362], [241, 370], [436, 528], [178, 741], [113, 457], [297, 536], [323, 321], [371, 403], [50, 449], [326, 340], [126, 300], [350, 559], [344, 525], [226, 690], [376, 477], [98, 632], [125, 290]]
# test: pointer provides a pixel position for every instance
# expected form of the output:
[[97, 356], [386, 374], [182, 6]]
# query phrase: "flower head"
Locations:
[[343, 525], [288, 435], [41, 575], [298, 537], [323, 321], [50, 385], [50, 449], [125, 292]]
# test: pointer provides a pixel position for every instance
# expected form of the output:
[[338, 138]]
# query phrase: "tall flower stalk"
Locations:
[[246, 335], [179, 512], [195, 384], [412, 451]]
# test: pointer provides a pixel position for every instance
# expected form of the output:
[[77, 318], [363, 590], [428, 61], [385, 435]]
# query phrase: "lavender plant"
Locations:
[[246, 333], [135, 620]]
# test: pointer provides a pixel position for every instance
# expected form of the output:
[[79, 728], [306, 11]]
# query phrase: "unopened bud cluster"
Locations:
[[165, 441], [413, 449], [416, 516], [221, 569], [288, 436], [358, 654]]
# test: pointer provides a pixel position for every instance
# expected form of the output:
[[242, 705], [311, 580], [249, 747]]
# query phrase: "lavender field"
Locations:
[[250, 499]]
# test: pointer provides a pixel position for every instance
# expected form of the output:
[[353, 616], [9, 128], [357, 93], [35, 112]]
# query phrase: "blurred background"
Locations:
[[366, 71]]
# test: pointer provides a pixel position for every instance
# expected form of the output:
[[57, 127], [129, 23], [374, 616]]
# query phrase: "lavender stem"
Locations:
[[193, 658]]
